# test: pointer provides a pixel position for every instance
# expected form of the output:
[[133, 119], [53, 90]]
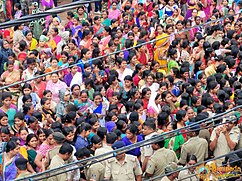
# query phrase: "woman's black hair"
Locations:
[[73, 86], [41, 131], [144, 91], [26, 86], [6, 95], [29, 137], [27, 107], [180, 115], [191, 157], [133, 129], [96, 139], [26, 97], [11, 145], [43, 100]]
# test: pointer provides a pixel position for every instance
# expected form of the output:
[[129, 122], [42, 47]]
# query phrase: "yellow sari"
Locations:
[[162, 45]]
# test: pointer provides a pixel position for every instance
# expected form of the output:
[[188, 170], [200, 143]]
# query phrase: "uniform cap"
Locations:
[[58, 137], [172, 167], [118, 144]]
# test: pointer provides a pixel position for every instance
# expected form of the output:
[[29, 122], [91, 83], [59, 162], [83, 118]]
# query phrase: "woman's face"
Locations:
[[23, 135], [114, 6], [228, 27], [54, 63], [54, 78], [5, 137], [215, 90], [16, 150], [66, 49], [27, 91], [47, 105], [64, 58], [129, 134], [169, 127], [33, 142], [198, 86], [191, 163], [163, 89], [123, 64], [18, 122], [179, 26], [80, 11], [96, 126], [49, 95], [190, 113], [159, 30], [201, 43], [5, 45], [50, 140], [29, 36], [127, 83], [4, 121], [7, 102], [55, 22], [84, 97], [170, 30], [98, 100], [149, 80], [115, 100], [42, 137], [76, 91], [137, 95], [159, 100], [147, 95], [70, 137], [168, 98], [98, 145]]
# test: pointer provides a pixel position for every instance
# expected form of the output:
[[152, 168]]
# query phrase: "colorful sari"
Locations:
[[12, 77], [11, 113], [162, 45], [9, 170], [83, 106]]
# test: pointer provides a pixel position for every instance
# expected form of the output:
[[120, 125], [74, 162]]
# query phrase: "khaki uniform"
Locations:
[[22, 175], [196, 146], [123, 172], [57, 161], [147, 150], [95, 171], [239, 145], [222, 145], [184, 176], [103, 150], [165, 178], [156, 165], [51, 153], [205, 134]]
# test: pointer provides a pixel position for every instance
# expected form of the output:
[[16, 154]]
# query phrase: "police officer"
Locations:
[[124, 167], [156, 165]]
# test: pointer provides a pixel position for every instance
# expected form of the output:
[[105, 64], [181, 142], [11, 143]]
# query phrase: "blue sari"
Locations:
[[10, 170]]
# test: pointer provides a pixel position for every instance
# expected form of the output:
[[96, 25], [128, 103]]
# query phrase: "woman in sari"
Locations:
[[99, 108], [8, 108], [86, 39], [33, 157], [31, 41], [83, 103], [161, 47], [191, 5], [7, 161], [114, 13], [11, 76], [76, 30], [5, 51]]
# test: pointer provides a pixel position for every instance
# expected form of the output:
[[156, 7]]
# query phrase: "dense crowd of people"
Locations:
[[87, 100]]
